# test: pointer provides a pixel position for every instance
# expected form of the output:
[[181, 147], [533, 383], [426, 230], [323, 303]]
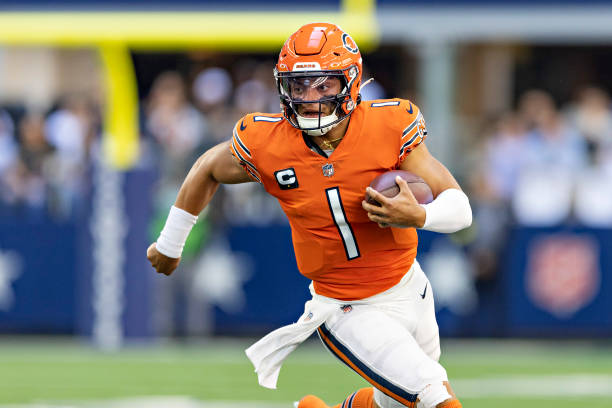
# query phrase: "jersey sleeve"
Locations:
[[414, 129], [241, 147]]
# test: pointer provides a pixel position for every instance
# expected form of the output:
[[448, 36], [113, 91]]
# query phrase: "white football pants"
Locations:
[[390, 339]]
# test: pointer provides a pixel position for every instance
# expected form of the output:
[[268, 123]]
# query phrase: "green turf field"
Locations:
[[50, 372]]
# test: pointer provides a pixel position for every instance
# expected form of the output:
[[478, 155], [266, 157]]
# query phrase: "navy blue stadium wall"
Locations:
[[558, 282], [553, 282], [38, 275]]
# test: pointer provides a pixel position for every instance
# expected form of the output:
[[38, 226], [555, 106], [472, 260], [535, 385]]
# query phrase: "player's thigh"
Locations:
[[382, 350], [416, 311], [426, 334]]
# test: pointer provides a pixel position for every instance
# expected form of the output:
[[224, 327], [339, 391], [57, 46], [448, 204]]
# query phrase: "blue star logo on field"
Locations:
[[10, 269], [328, 169]]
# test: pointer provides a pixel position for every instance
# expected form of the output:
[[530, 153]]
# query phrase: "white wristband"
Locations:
[[449, 212], [172, 238]]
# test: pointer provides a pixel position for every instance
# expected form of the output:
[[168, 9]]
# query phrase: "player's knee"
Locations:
[[430, 372]]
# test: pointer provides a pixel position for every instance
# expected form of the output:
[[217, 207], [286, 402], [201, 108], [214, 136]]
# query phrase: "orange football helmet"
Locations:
[[312, 59]]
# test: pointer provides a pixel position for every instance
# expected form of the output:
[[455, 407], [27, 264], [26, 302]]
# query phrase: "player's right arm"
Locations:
[[215, 166]]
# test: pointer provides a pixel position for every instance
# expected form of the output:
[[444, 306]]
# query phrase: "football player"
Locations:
[[371, 305]]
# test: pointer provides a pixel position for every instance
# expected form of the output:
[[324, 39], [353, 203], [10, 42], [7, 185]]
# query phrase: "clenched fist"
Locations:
[[161, 262]]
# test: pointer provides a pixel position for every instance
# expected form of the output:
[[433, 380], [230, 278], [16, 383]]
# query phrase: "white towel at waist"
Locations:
[[268, 354]]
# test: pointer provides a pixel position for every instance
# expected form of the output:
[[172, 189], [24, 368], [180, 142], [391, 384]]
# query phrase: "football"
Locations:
[[385, 184]]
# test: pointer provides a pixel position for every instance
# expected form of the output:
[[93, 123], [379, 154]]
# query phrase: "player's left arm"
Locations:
[[450, 210], [421, 162]]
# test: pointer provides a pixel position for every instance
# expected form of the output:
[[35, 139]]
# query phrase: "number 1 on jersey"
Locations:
[[344, 228]]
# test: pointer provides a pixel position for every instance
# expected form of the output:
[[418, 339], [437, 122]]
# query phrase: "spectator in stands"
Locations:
[[25, 182], [257, 92], [212, 88], [554, 153], [591, 116], [35, 151], [550, 142], [8, 146], [213, 91], [8, 155], [503, 157], [174, 123], [71, 130]]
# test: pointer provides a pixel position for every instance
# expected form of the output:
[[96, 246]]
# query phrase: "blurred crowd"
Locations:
[[538, 165], [44, 157], [549, 165]]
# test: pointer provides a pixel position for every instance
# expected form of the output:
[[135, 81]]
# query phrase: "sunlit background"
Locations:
[[104, 107]]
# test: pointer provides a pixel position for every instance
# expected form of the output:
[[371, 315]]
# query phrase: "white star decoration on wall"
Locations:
[[10, 269], [220, 277], [452, 279]]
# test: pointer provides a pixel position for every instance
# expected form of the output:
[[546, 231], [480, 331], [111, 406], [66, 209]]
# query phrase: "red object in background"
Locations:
[[563, 274]]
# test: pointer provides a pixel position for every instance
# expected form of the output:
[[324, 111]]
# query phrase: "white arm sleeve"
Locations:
[[449, 212]]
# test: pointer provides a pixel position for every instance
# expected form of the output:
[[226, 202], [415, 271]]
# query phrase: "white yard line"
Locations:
[[156, 402], [180, 402], [573, 385]]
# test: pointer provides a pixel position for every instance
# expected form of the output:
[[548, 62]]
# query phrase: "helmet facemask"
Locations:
[[313, 116]]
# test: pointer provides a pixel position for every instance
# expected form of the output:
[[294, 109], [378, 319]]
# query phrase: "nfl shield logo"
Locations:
[[328, 170]]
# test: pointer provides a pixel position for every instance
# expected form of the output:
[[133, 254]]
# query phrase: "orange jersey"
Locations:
[[346, 255]]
